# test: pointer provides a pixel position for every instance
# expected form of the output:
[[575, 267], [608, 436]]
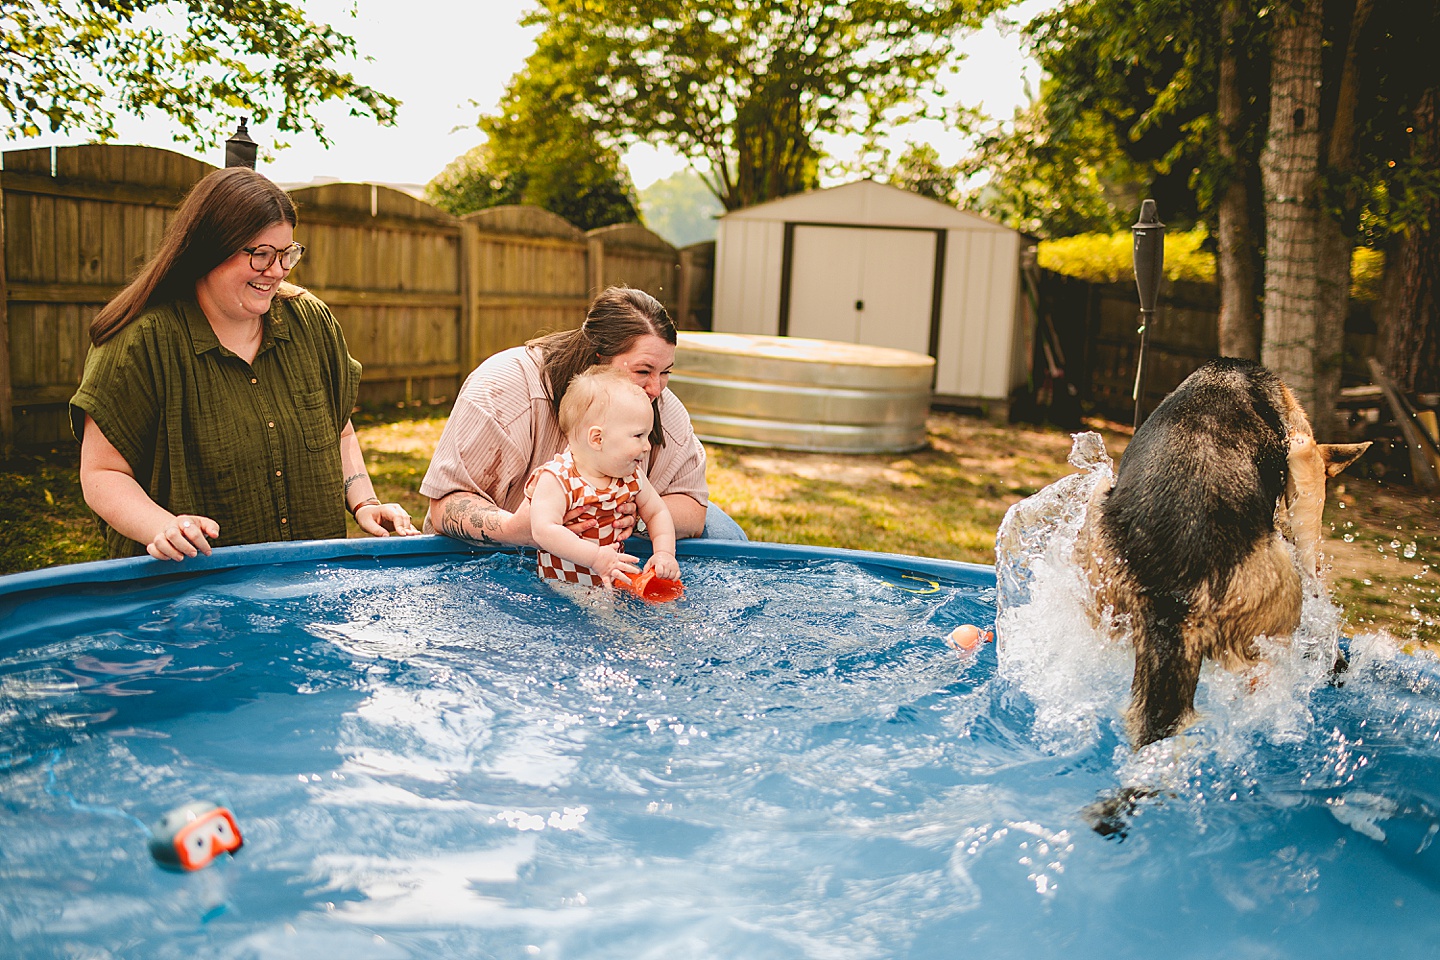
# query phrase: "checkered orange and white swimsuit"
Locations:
[[600, 504]]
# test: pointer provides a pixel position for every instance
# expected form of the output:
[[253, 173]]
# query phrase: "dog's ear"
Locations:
[[1338, 456]]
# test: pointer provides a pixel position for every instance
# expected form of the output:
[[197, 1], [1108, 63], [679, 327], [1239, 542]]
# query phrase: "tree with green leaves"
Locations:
[[1172, 88], [1412, 310], [575, 179], [1050, 185], [1400, 184], [743, 88], [74, 67], [1349, 84], [473, 181], [540, 149], [920, 170], [1277, 124]]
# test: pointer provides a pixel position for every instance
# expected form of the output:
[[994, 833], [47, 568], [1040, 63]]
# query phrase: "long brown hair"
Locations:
[[617, 318], [222, 213]]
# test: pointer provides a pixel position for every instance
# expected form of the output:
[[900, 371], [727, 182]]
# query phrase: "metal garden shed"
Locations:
[[873, 264]]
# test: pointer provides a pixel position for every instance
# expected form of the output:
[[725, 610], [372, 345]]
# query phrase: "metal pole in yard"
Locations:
[[1149, 268]]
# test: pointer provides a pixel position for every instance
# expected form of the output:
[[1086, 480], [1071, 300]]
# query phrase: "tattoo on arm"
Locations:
[[471, 518], [351, 479]]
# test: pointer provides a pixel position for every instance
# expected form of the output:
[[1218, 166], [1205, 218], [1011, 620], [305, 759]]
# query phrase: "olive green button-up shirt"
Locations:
[[254, 446]]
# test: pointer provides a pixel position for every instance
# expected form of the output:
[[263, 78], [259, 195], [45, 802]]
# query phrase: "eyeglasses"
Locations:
[[262, 256]]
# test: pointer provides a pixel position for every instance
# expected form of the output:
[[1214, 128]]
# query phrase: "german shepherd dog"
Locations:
[[1198, 546]]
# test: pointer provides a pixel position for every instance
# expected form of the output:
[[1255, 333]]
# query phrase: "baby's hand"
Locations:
[[610, 564], [665, 566]]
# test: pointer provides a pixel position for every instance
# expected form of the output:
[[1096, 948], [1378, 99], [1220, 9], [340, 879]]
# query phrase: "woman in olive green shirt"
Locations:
[[215, 406]]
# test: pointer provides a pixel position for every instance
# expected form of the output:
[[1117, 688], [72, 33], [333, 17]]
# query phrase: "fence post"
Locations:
[[7, 412], [469, 298], [595, 249], [685, 289]]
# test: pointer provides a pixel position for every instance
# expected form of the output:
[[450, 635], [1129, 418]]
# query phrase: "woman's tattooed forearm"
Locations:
[[472, 519], [352, 478]]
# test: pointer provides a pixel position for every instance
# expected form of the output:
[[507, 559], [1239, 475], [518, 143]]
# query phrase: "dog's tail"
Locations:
[[1167, 670]]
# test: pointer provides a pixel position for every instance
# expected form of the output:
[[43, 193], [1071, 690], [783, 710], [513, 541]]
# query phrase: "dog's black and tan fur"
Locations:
[[1187, 550]]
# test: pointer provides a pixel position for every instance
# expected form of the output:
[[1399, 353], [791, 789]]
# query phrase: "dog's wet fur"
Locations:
[[1196, 550]]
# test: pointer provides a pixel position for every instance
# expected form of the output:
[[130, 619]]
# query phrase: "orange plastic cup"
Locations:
[[653, 589]]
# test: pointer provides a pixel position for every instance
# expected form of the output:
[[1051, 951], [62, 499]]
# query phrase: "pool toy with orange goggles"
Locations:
[[191, 836]]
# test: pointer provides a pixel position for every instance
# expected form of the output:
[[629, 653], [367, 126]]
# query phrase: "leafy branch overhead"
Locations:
[[744, 87], [74, 67]]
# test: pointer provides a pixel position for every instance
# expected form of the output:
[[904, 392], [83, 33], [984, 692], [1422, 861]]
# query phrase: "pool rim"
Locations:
[[110, 572]]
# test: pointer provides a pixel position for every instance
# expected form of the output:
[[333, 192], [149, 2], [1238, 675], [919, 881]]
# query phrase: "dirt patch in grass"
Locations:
[[1382, 558]]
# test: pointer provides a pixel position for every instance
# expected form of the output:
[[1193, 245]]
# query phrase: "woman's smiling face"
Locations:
[[238, 291], [648, 364]]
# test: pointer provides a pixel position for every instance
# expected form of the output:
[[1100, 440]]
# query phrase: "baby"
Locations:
[[607, 419]]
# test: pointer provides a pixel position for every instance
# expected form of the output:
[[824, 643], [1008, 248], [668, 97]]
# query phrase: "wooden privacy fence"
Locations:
[[422, 296]]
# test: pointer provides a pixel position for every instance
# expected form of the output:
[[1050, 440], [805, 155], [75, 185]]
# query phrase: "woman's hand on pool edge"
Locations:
[[184, 536], [383, 519]]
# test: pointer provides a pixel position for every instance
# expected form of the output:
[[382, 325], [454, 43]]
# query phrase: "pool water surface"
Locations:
[[436, 755]]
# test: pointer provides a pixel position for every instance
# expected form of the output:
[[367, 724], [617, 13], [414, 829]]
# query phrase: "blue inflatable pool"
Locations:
[[430, 753]]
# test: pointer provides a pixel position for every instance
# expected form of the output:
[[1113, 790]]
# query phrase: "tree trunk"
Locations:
[[1411, 327], [1290, 168], [773, 154], [1239, 300], [1337, 238]]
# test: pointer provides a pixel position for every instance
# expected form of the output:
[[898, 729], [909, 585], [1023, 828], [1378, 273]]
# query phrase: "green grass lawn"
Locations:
[[946, 500], [45, 520]]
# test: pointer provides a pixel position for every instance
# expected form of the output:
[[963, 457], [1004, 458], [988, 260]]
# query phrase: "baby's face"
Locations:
[[625, 434]]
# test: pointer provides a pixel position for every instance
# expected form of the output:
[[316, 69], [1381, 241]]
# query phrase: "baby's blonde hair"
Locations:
[[587, 398]]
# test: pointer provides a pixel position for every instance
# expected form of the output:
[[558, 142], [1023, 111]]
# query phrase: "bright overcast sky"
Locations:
[[440, 55]]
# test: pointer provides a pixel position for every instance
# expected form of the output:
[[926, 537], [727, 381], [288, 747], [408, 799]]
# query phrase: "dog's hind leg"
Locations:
[[1167, 670]]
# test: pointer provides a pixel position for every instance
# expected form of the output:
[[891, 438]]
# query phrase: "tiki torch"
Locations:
[[1149, 268], [240, 150]]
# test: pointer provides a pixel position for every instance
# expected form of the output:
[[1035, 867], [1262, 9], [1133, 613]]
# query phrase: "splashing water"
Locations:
[[1078, 679], [1045, 642]]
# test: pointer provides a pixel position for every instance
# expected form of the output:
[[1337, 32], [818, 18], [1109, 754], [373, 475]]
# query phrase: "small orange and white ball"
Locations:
[[967, 638]]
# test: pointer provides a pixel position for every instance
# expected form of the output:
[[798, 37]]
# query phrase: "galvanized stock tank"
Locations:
[[797, 394]]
